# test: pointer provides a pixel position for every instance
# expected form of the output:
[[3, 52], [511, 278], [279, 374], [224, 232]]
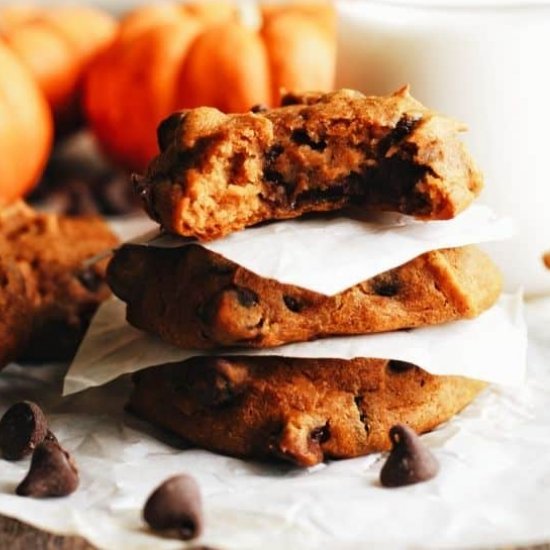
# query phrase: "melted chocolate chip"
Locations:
[[259, 108], [167, 129], [405, 125], [290, 99], [399, 367], [246, 297], [321, 434], [386, 286], [293, 304], [273, 152], [301, 137], [175, 507]]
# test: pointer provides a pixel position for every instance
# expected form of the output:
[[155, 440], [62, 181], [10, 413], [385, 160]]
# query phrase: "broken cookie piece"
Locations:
[[299, 410], [60, 292], [220, 173]]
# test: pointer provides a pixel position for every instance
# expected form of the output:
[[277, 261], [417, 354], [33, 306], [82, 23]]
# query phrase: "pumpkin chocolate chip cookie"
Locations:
[[219, 173], [299, 410], [60, 293], [15, 317], [194, 298]]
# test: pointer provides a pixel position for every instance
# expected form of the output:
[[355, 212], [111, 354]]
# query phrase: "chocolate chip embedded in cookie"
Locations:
[[299, 410], [546, 259], [220, 173], [193, 298]]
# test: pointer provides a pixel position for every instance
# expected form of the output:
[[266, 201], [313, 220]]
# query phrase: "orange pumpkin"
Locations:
[[57, 45], [26, 128], [176, 56]]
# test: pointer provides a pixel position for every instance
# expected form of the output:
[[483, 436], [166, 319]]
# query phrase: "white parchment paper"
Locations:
[[491, 347], [493, 487], [330, 254]]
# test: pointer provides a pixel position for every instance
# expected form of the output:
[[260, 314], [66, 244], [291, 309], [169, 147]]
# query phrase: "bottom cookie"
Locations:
[[300, 410]]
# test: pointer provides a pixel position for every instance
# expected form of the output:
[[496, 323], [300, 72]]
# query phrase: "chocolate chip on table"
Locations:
[[22, 428], [175, 506], [53, 473], [409, 460]]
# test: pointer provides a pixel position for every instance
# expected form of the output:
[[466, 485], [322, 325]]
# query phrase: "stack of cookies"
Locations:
[[219, 173]]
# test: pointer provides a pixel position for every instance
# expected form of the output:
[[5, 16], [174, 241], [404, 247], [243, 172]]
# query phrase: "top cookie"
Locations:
[[220, 173]]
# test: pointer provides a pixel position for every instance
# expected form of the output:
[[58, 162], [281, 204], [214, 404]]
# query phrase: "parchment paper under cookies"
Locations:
[[491, 347], [329, 254]]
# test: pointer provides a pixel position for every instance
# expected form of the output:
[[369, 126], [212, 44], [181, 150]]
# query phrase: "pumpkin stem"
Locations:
[[249, 14]]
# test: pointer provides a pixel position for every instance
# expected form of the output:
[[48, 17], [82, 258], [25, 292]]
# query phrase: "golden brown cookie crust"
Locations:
[[62, 294], [195, 299], [300, 410], [220, 173]]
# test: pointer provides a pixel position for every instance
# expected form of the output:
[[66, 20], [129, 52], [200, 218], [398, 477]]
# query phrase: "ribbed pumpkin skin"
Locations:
[[56, 45], [178, 56], [26, 128]]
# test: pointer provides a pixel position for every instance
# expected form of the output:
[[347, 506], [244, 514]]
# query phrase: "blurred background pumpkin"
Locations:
[[56, 45], [122, 73], [26, 128], [222, 54]]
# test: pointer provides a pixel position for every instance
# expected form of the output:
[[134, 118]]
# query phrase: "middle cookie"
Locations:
[[193, 298]]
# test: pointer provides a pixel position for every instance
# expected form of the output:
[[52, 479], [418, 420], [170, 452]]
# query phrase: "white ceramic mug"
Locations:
[[487, 64]]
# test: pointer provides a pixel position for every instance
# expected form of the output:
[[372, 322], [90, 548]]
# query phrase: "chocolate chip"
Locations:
[[273, 152], [53, 473], [294, 304], [22, 428], [301, 137], [176, 506], [90, 279], [409, 460], [387, 286], [246, 297], [405, 125], [259, 108], [167, 129], [321, 434], [399, 367], [290, 99]]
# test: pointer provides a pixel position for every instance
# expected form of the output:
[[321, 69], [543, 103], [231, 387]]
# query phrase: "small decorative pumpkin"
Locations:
[[56, 45], [176, 56], [26, 128]]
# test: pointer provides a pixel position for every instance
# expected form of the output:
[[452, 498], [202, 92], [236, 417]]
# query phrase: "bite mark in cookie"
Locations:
[[220, 173]]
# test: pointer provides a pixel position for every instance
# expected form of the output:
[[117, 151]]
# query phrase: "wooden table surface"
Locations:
[[15, 535]]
